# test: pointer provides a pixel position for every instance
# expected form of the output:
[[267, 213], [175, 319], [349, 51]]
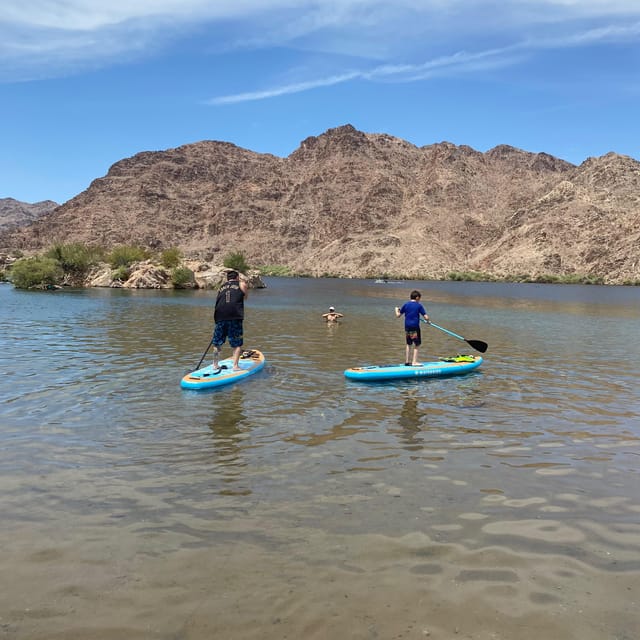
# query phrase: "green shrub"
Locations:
[[276, 270], [75, 258], [518, 277], [236, 261], [171, 257], [125, 255], [39, 271], [182, 278], [122, 273], [470, 276]]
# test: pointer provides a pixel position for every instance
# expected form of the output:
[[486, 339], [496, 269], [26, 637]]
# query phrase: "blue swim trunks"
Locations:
[[231, 329]]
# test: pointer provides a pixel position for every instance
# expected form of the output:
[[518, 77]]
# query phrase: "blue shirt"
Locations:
[[412, 311]]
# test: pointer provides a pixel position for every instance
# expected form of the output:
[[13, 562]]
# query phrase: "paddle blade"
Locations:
[[478, 345]]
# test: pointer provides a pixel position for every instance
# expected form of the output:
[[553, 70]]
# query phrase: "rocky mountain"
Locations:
[[14, 214], [361, 204]]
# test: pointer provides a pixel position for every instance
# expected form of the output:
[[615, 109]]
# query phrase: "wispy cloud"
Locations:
[[308, 15], [606, 34], [48, 37], [287, 89], [455, 64]]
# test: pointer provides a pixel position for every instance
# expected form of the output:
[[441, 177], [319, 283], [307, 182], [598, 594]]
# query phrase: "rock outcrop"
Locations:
[[147, 275]]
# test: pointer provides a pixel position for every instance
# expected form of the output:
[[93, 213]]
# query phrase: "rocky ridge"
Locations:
[[14, 214], [357, 204]]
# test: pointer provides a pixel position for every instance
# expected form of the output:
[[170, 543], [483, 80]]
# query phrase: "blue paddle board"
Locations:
[[454, 366], [251, 361]]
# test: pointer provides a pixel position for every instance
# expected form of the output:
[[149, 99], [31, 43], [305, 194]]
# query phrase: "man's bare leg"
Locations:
[[236, 358]]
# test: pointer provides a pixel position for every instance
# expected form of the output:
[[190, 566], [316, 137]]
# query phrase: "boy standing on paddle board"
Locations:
[[228, 317], [412, 311]]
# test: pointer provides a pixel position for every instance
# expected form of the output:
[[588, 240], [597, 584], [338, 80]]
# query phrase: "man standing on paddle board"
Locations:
[[412, 311], [228, 316]]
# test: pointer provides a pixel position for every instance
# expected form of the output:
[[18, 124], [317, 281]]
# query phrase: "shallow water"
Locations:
[[298, 504]]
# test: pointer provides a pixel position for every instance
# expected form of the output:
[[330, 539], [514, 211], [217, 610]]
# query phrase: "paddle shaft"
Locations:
[[204, 355], [455, 335], [478, 345]]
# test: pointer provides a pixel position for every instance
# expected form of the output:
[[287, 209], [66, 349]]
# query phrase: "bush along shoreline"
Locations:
[[133, 267], [77, 265]]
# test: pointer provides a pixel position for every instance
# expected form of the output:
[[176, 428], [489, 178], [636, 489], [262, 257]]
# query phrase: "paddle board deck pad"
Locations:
[[251, 361], [454, 366]]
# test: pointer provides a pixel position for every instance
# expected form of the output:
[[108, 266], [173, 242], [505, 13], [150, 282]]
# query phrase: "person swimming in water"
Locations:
[[332, 315]]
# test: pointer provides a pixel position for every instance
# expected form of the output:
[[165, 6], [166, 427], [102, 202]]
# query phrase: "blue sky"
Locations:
[[84, 84]]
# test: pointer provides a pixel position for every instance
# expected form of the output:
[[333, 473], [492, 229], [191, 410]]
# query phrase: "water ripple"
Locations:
[[512, 490]]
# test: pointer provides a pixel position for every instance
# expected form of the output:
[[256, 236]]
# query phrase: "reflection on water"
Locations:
[[502, 504], [230, 427]]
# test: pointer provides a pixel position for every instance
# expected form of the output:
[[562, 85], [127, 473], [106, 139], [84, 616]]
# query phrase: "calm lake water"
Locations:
[[500, 505]]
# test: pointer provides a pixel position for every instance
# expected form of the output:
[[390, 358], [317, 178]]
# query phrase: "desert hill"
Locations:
[[14, 214], [360, 204]]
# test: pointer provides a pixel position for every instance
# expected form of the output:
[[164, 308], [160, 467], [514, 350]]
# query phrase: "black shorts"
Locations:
[[413, 336]]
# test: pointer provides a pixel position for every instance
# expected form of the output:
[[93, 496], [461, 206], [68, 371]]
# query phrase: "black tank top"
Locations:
[[230, 302]]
